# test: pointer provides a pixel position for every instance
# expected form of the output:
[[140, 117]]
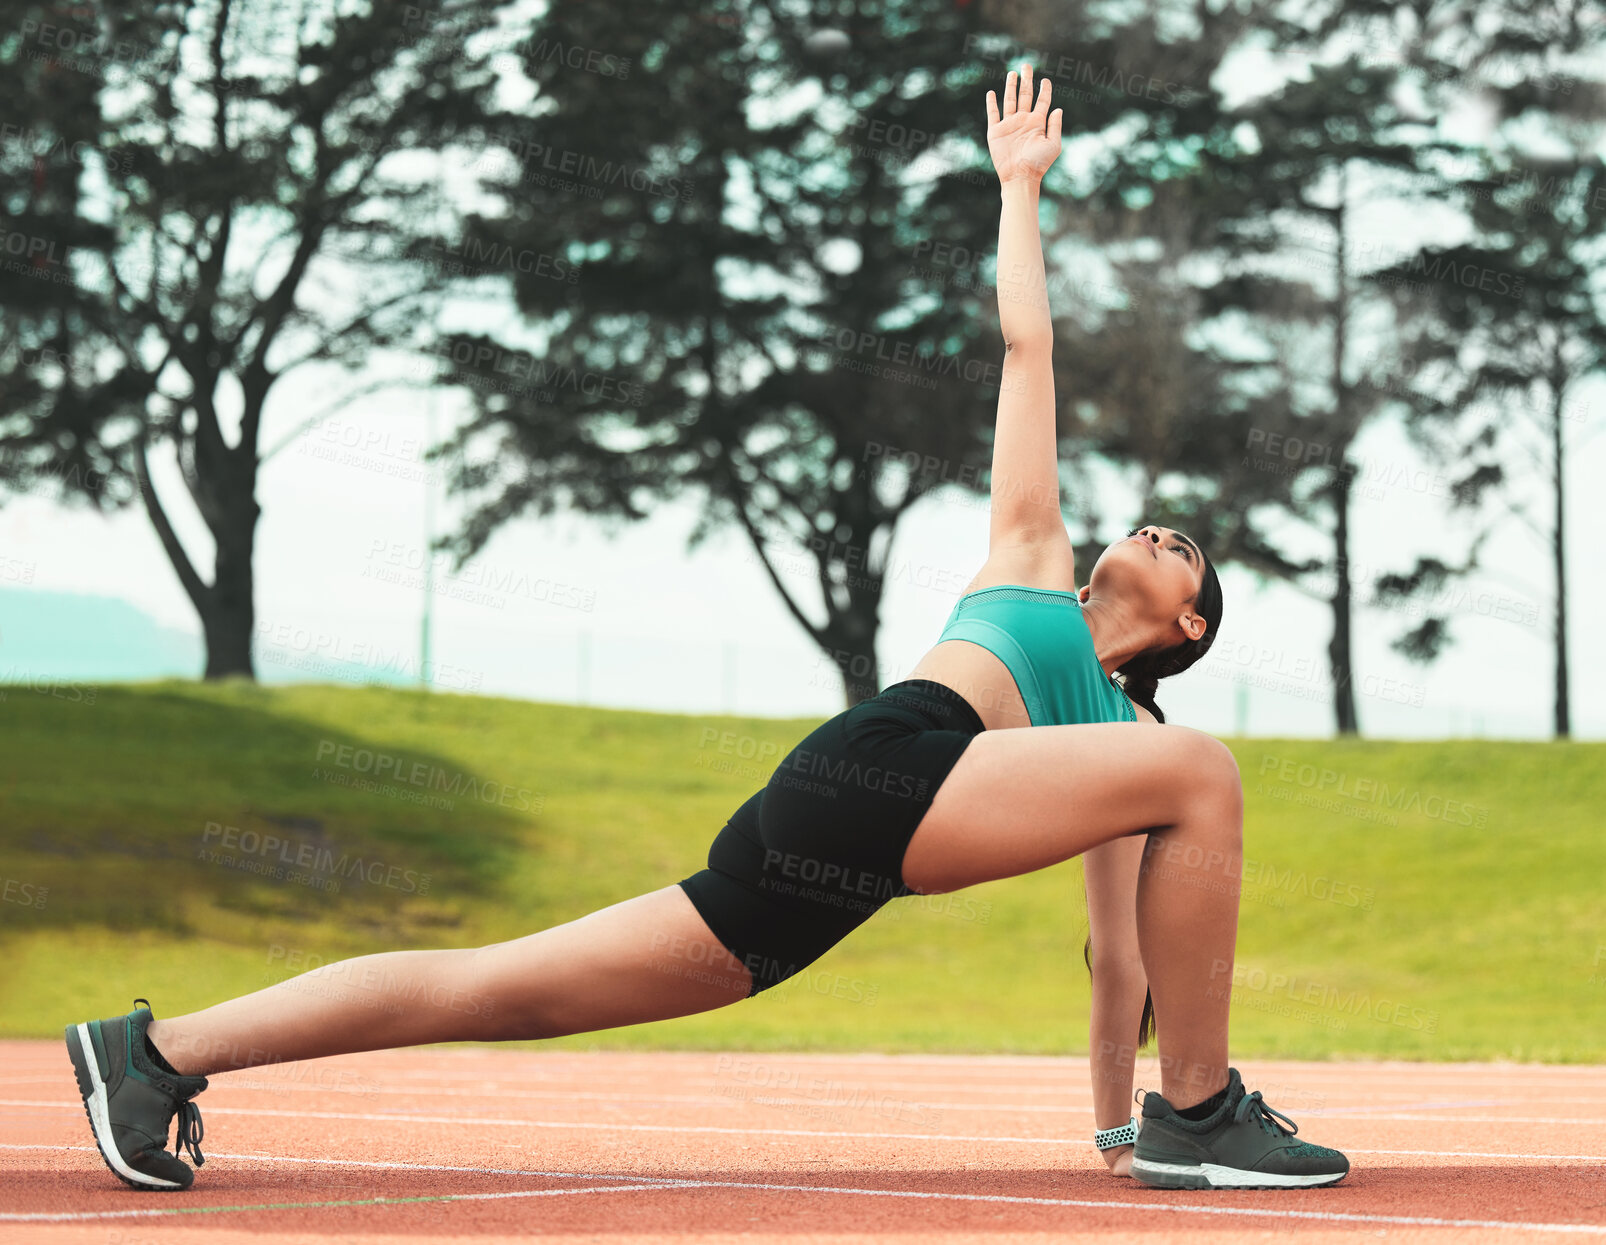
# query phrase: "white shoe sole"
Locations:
[[93, 1091], [1213, 1176]]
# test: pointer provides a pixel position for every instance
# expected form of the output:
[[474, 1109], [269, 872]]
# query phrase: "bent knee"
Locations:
[[1212, 764]]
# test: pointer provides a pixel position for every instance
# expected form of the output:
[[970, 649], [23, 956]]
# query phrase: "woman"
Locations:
[[923, 789]]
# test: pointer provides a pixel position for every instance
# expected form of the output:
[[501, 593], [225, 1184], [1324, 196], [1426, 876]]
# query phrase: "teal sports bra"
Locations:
[[1042, 637]]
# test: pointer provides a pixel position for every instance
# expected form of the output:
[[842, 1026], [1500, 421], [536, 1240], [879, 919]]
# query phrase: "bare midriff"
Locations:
[[980, 677]]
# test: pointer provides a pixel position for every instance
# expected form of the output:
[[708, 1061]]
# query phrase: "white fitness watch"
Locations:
[[1125, 1135]]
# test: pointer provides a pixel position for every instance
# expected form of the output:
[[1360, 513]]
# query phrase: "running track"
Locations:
[[556, 1146]]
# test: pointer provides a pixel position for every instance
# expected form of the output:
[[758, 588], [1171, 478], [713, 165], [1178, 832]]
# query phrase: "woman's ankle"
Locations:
[[166, 1050]]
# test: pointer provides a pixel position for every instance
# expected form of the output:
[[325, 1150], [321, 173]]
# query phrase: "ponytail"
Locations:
[[1140, 681]]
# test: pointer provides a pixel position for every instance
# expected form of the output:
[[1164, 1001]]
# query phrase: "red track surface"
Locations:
[[559, 1146]]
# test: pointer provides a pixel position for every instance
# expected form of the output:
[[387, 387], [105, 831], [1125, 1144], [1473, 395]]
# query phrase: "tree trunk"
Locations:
[[1559, 553], [1338, 649], [851, 644], [849, 634], [223, 487], [228, 611]]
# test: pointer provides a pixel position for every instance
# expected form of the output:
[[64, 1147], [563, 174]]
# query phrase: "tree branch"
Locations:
[[758, 547], [325, 348], [199, 592]]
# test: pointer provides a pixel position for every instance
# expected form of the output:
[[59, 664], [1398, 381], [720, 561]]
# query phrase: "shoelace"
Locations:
[[1254, 1104], [189, 1132]]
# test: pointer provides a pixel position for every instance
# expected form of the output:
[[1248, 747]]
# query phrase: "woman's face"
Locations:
[[1158, 569]]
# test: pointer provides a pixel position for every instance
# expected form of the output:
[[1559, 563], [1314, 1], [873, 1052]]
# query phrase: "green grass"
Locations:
[[1443, 903]]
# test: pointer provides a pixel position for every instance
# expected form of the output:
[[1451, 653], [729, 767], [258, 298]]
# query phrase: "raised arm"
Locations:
[[1024, 140]]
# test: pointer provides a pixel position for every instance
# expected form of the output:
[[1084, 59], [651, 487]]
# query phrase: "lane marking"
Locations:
[[401, 1165], [79, 1216], [1482, 1154], [1423, 1106], [714, 1097], [1520, 1075], [749, 1132], [660, 1184], [599, 1127], [1473, 1119], [1336, 1114], [1380, 1111]]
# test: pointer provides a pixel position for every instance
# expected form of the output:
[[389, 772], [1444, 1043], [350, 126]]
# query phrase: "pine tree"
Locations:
[[185, 175], [1275, 183], [1501, 327], [781, 307]]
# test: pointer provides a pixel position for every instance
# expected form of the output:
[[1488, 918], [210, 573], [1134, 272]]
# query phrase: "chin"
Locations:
[[1119, 571]]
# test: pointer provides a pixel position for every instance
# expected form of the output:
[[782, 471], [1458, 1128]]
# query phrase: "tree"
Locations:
[[782, 309], [1280, 174], [1173, 416], [1513, 319], [193, 172]]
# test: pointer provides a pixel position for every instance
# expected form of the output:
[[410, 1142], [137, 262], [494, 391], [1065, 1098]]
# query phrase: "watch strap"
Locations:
[[1109, 1138]]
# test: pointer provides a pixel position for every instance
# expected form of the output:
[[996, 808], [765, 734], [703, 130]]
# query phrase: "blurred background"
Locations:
[[657, 367], [370, 367]]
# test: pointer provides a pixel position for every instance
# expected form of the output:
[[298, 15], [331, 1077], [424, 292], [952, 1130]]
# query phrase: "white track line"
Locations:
[[492, 1121], [1073, 1066], [1569, 1079], [651, 1184], [1437, 1105], [1483, 1154], [1466, 1119], [737, 1092], [741, 1094], [1070, 1065], [80, 1216], [1543, 1076], [786, 1132]]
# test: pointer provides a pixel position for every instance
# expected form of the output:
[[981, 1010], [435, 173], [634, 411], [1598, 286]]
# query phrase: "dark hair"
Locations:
[[1139, 678]]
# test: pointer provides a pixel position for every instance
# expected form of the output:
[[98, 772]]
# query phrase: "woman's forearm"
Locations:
[[1113, 1037], [1119, 982], [1022, 290]]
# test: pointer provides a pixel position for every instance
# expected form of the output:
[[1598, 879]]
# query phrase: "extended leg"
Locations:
[[648, 958]]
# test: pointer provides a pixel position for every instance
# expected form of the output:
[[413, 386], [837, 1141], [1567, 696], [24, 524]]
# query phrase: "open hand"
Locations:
[[1023, 138]]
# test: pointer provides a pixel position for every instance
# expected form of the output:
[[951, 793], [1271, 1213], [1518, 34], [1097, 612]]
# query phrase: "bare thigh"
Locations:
[[648, 958], [1023, 799]]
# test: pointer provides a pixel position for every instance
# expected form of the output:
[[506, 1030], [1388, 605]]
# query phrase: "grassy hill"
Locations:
[[185, 843]]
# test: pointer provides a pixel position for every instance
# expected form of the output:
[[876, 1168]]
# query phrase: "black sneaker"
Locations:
[[130, 1101], [1241, 1146]]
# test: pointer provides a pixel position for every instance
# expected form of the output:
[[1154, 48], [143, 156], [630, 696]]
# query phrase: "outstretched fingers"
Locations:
[[1017, 99]]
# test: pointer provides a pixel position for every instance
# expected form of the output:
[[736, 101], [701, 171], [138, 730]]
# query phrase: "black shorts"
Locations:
[[820, 849]]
